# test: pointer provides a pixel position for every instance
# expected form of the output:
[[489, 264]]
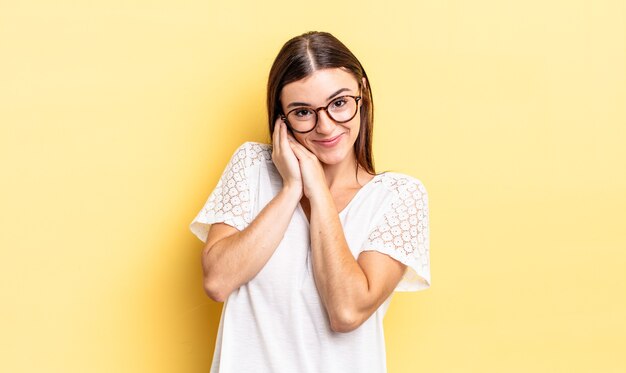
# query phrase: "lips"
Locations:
[[330, 141]]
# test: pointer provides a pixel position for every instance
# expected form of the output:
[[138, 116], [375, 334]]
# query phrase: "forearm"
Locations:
[[236, 259], [341, 283]]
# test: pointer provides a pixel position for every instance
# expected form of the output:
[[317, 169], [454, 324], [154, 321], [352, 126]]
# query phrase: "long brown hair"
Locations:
[[302, 56]]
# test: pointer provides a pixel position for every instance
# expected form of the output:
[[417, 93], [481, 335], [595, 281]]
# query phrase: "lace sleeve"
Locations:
[[403, 232], [230, 202]]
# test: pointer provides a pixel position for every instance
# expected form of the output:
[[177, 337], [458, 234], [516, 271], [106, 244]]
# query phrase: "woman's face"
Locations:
[[331, 142]]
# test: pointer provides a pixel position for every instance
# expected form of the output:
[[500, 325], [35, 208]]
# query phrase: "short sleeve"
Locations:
[[402, 232], [231, 200]]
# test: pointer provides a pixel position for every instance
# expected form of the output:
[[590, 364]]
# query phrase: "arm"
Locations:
[[351, 290], [231, 258]]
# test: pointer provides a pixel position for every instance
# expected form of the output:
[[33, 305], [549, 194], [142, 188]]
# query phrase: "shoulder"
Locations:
[[401, 184], [251, 153]]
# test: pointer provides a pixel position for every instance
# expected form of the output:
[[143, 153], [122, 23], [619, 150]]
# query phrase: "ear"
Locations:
[[364, 83]]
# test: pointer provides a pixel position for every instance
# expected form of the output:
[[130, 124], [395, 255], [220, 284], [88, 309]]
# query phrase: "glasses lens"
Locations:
[[302, 119], [342, 109]]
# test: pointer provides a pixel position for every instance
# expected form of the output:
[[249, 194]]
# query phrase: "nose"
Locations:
[[325, 125]]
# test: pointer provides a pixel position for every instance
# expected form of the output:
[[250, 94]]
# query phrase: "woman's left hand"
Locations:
[[313, 178]]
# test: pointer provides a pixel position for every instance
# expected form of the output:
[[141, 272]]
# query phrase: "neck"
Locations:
[[341, 175]]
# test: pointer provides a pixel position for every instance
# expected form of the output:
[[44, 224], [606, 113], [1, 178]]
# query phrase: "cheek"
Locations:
[[356, 127]]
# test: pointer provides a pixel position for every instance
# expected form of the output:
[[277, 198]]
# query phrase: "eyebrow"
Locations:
[[329, 97]]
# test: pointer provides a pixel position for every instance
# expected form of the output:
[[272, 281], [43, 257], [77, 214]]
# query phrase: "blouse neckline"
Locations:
[[347, 207]]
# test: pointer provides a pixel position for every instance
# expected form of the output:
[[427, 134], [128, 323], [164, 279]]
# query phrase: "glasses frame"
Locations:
[[317, 116]]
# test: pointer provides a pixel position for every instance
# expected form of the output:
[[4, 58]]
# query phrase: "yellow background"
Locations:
[[117, 118]]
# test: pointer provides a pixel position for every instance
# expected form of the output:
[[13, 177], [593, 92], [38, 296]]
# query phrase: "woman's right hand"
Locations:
[[284, 159]]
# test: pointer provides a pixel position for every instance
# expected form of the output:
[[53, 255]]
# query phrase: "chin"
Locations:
[[334, 156], [330, 160]]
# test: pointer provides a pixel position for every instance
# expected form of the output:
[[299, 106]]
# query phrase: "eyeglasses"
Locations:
[[303, 119]]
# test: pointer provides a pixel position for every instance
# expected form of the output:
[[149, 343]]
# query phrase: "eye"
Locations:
[[303, 112], [339, 102]]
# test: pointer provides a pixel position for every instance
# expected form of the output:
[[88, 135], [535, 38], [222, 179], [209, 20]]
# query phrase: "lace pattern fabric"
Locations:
[[403, 232], [230, 202]]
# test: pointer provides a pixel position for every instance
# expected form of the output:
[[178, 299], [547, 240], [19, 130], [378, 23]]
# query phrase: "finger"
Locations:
[[291, 138], [284, 140], [296, 148], [294, 141], [303, 149], [276, 135]]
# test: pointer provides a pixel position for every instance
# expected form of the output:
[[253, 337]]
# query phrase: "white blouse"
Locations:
[[276, 322]]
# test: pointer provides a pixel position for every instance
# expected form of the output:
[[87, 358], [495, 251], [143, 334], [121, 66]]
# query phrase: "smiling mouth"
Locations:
[[330, 140]]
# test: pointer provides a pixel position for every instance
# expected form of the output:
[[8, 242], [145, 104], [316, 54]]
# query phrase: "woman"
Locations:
[[306, 242]]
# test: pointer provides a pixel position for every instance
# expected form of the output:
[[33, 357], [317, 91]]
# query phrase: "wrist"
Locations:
[[292, 192], [319, 196]]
